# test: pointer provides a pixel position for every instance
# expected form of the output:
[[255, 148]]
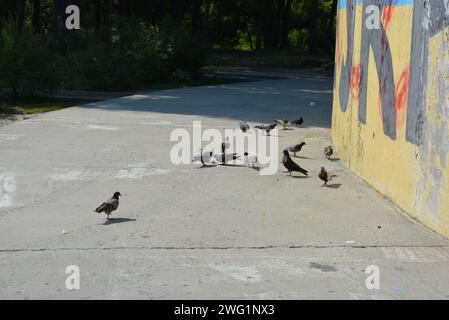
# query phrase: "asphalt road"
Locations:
[[185, 232]]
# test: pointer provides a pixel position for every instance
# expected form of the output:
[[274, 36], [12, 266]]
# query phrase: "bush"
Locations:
[[135, 55], [27, 66], [189, 53], [100, 66]]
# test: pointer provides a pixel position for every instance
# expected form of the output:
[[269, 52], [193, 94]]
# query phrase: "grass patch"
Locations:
[[38, 105]]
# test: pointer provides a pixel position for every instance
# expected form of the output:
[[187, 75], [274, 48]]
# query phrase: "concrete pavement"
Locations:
[[188, 233]]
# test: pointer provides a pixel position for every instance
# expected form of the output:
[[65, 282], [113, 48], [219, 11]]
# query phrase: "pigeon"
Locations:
[[284, 123], [203, 157], [227, 157], [296, 148], [291, 166], [110, 206], [251, 159], [298, 123], [266, 128], [328, 152], [244, 126], [324, 176], [225, 145]]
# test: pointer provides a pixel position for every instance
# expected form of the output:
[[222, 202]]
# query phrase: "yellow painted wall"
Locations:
[[413, 175]]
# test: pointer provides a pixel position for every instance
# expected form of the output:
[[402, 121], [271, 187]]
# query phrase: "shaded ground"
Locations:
[[184, 232]]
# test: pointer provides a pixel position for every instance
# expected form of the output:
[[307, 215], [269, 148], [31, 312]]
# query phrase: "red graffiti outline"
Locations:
[[401, 102], [356, 81], [387, 15]]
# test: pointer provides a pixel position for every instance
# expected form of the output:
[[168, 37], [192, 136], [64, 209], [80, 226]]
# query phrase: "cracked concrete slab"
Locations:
[[184, 232]]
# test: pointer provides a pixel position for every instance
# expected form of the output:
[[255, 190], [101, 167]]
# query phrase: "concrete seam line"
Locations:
[[221, 248]]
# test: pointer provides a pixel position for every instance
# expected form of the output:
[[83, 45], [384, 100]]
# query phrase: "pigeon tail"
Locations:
[[101, 208]]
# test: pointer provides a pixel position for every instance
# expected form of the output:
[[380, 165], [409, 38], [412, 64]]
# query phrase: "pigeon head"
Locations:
[[246, 154], [303, 143], [117, 195], [323, 169], [286, 152]]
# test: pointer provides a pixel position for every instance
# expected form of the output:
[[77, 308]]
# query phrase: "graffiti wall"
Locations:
[[391, 102]]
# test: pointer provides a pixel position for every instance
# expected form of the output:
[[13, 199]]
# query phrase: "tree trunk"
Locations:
[[331, 24], [37, 16], [124, 8], [206, 16], [196, 15], [98, 14], [268, 36], [20, 14], [259, 27], [313, 16], [278, 11], [286, 24]]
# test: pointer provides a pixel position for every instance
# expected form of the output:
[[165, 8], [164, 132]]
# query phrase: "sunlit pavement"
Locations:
[[183, 232]]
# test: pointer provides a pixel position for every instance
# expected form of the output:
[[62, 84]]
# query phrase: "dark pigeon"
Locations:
[[284, 123], [266, 128], [244, 126], [110, 206], [298, 122], [325, 177], [291, 166]]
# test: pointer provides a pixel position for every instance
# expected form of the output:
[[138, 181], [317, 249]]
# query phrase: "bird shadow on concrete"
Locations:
[[232, 165], [334, 186], [117, 221], [301, 157], [208, 166], [334, 159], [299, 177]]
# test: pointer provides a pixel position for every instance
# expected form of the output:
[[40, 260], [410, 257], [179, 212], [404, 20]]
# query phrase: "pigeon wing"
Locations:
[[244, 126], [293, 166], [108, 206]]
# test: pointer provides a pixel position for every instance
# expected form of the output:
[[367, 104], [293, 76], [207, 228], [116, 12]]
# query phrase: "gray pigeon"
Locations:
[[266, 128], [203, 157], [251, 159], [296, 148], [226, 157], [110, 206], [244, 126], [284, 123], [328, 152], [226, 144], [291, 166]]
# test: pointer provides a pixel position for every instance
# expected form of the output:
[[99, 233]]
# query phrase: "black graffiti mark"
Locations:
[[429, 18], [377, 40], [346, 67]]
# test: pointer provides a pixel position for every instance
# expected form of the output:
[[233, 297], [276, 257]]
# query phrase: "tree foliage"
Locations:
[[124, 42]]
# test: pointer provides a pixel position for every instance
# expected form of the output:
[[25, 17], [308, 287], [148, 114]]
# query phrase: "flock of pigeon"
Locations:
[[112, 204], [287, 161]]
